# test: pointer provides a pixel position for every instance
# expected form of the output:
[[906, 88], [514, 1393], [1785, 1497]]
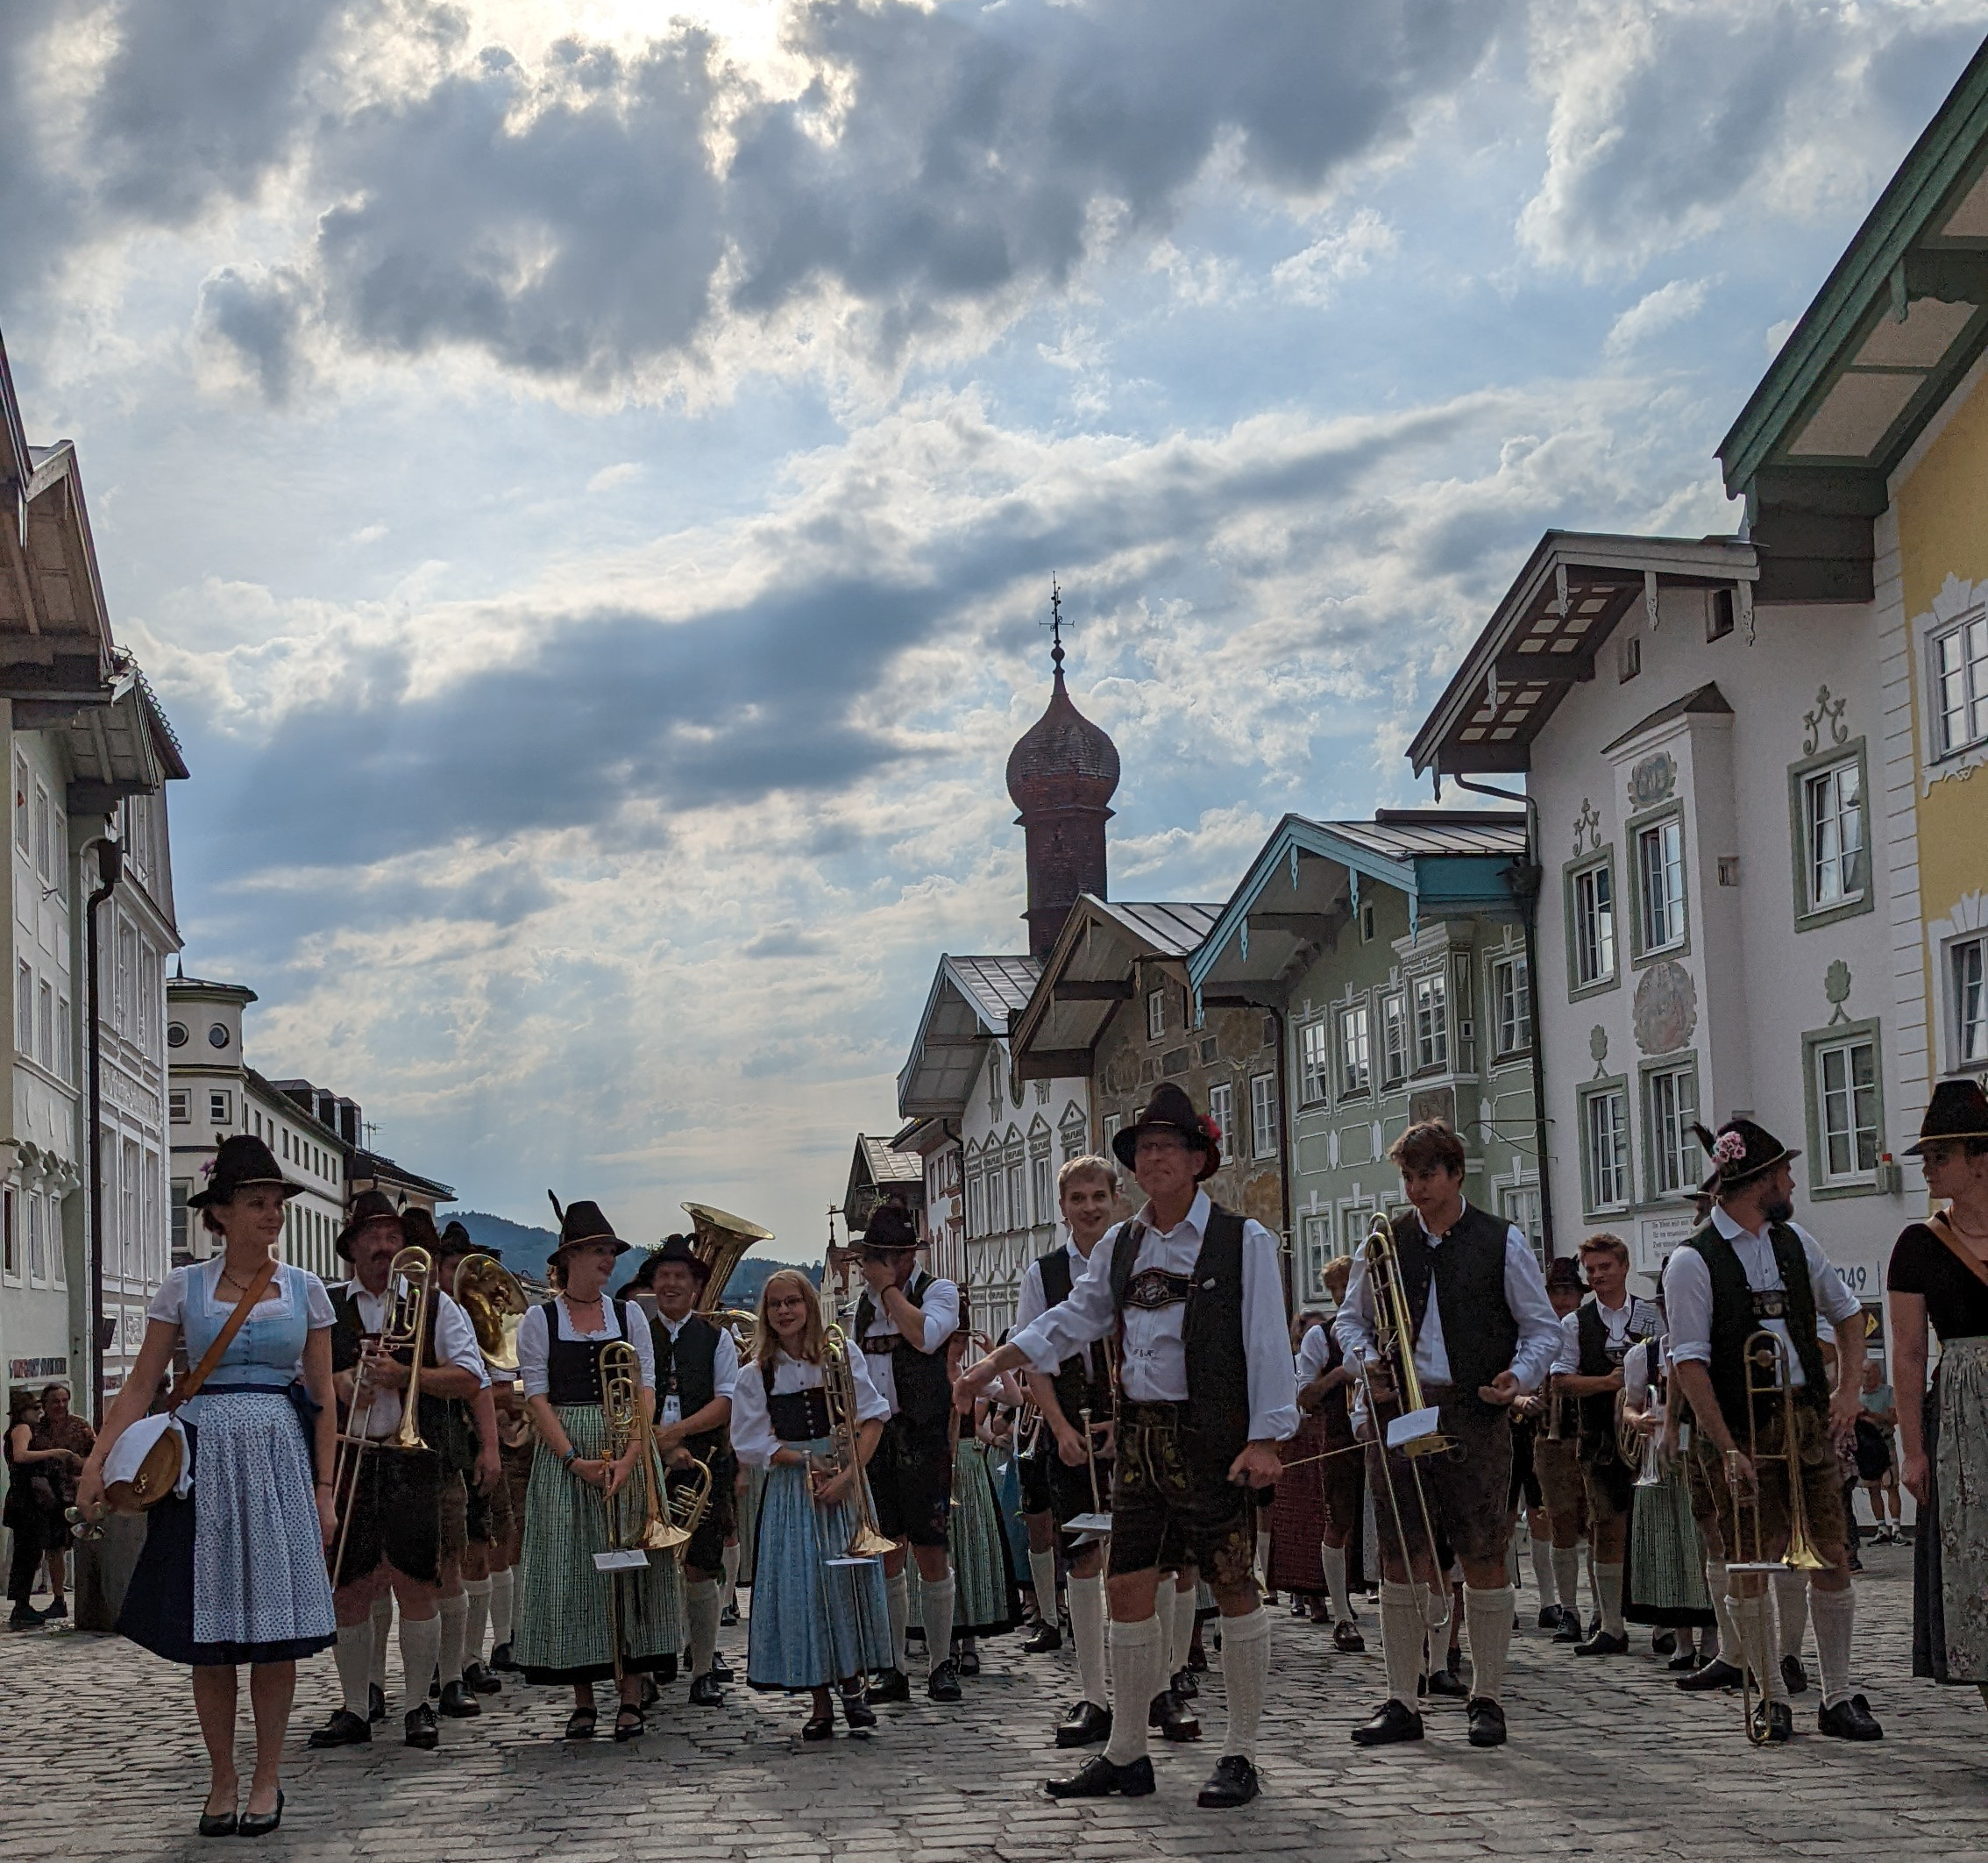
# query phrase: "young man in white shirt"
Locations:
[[1206, 1393]]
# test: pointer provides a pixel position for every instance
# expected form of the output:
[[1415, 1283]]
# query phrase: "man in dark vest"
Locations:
[[1196, 1294], [697, 1363], [1556, 1461], [903, 1320], [1482, 1333], [1752, 1269], [1056, 1478], [391, 1527], [1595, 1339]]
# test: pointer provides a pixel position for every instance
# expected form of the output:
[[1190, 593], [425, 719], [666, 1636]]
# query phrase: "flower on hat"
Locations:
[[1729, 1149], [1212, 1129]]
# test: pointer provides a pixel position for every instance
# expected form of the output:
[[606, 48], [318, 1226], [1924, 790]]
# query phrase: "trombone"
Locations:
[[403, 1327]]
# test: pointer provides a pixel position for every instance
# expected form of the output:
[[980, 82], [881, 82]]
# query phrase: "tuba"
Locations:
[[495, 1302], [721, 1241]]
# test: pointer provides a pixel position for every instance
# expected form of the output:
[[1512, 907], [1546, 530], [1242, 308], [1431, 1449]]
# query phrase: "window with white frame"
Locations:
[[1222, 1110], [1661, 881], [1355, 1219], [1018, 1188], [1356, 1062], [1045, 1188], [1519, 1204], [9, 1238], [1845, 1086], [23, 789], [37, 1240], [1313, 1040], [180, 1234], [975, 1202], [179, 1105], [1605, 1147], [220, 1108], [1263, 1115], [1670, 1104], [1155, 1014], [1592, 910], [1394, 1039], [1959, 657], [1431, 1022], [1317, 1238], [44, 835], [1832, 832], [1072, 1135], [45, 1026], [1967, 985], [1511, 1004], [130, 1184], [996, 1199], [65, 1041], [1112, 1122], [24, 1009]]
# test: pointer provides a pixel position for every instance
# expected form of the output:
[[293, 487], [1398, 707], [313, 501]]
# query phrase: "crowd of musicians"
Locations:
[[563, 1492]]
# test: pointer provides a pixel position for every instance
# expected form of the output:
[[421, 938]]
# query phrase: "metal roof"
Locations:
[[886, 1166], [970, 1003], [1173, 930]]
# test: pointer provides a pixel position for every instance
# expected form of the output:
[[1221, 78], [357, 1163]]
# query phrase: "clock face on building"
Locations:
[[217, 1035], [175, 1034]]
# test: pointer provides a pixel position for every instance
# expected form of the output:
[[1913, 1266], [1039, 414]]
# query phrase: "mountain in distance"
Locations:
[[522, 1248]]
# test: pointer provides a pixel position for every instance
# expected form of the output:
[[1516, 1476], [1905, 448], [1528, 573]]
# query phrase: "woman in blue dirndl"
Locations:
[[234, 1573]]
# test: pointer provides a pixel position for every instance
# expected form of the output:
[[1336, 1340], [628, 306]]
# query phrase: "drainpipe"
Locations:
[[110, 868], [1525, 884]]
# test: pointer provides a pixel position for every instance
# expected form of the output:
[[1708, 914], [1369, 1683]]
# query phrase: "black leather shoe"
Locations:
[[1390, 1721], [260, 1823], [706, 1691], [344, 1729], [967, 1662], [1850, 1720], [729, 1618], [1098, 1778], [375, 1704], [457, 1702], [478, 1680], [1347, 1639], [1044, 1637], [889, 1685], [212, 1824], [1232, 1783], [1449, 1685], [856, 1711], [819, 1727], [1184, 1684], [1084, 1725], [1569, 1631], [944, 1684], [1795, 1678], [1549, 1616], [720, 1667], [1777, 1719], [1685, 1662], [1717, 1673], [423, 1729], [1594, 1625], [500, 1658], [1602, 1643], [1486, 1722], [1172, 1716]]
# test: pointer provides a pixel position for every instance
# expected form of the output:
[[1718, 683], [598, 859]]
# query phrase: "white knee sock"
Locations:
[[354, 1659], [382, 1635], [1042, 1572], [700, 1606], [1753, 1620], [1246, 1669], [1185, 1604], [938, 1617], [476, 1591], [1334, 1559], [1729, 1650], [1087, 1632], [1488, 1623], [503, 1592], [1790, 1605], [1163, 1601], [420, 1647], [731, 1600], [1609, 1578], [1138, 1666], [1543, 1573], [454, 1620], [897, 1604], [1834, 1613], [1263, 1558], [1401, 1632], [1567, 1576]]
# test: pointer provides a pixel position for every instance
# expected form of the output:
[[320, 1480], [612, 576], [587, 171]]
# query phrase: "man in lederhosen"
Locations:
[[1206, 1393], [1056, 1478], [1751, 1268], [1324, 1390], [697, 1363], [1483, 1332], [1556, 1461], [903, 1320], [1595, 1339], [394, 1530]]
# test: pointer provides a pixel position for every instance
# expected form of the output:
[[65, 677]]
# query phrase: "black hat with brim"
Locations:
[[368, 1207], [455, 1240], [677, 1248], [1170, 1110], [1957, 1110], [1749, 1149], [890, 1230], [1564, 1270], [580, 1225], [240, 1164]]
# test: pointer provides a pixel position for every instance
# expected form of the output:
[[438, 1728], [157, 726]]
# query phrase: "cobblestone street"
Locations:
[[102, 1759]]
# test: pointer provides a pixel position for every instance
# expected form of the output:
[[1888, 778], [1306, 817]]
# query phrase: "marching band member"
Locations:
[[1483, 1332], [1595, 1339], [1324, 1387], [1556, 1461], [903, 1321], [404, 1508], [816, 1626], [1207, 1393], [234, 1573], [1752, 1267], [1056, 1478], [697, 1364], [985, 1599], [566, 1609]]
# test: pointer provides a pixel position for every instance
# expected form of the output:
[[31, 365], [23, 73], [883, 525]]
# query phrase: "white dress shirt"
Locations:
[[1636, 1377], [1632, 1316], [753, 1440], [1314, 1350], [533, 1346], [941, 1310], [1525, 1295], [1031, 1302], [1154, 1369], [1687, 1290], [724, 1365], [455, 1344]]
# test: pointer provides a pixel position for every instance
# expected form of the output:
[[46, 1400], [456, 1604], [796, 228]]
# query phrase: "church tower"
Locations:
[[1062, 774]]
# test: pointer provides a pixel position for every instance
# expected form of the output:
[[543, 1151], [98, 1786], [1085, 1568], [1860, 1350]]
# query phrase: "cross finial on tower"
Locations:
[[1056, 625]]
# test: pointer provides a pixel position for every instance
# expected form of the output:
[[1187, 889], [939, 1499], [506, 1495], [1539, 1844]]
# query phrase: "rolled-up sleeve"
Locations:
[[1089, 1314], [725, 1365], [1540, 1334], [1566, 1361], [1267, 1339], [455, 1341], [871, 1404], [1687, 1306], [1352, 1325], [942, 1314], [1832, 1299], [1314, 1350]]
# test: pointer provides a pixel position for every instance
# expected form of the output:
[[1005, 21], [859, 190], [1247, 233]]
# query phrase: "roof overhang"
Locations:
[[1544, 636], [55, 645], [946, 1050]]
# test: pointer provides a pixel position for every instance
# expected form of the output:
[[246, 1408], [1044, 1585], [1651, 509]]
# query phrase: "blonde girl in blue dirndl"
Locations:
[[235, 1572], [819, 1622]]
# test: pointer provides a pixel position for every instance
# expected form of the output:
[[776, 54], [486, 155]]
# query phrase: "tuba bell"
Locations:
[[495, 1302], [721, 1241]]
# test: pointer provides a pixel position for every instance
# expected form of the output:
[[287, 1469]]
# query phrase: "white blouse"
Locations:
[[753, 1440], [533, 1345], [169, 1304]]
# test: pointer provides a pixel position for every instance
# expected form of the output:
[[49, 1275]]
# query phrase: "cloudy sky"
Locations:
[[586, 490]]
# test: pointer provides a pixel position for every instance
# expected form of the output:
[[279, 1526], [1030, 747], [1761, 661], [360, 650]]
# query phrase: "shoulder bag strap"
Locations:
[[1939, 1225], [251, 1295]]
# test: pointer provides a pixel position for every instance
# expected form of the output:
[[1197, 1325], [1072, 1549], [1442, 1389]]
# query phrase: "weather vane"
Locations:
[[1055, 624]]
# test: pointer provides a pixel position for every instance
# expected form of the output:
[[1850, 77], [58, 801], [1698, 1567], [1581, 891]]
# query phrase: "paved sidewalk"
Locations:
[[102, 1759]]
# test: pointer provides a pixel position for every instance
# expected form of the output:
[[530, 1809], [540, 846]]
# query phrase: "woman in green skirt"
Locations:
[[570, 1615], [1663, 1575]]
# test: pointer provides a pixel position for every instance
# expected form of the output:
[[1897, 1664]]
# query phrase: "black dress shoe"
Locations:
[[1232, 1783], [1795, 1678], [423, 1729], [218, 1823], [856, 1710], [1390, 1721], [729, 1618], [706, 1691], [1184, 1685], [1098, 1778], [1486, 1722], [1685, 1662], [1347, 1639], [967, 1662], [1084, 1725], [1774, 1722], [344, 1729], [889, 1685], [1043, 1638], [1850, 1720], [1664, 1643], [1569, 1631], [720, 1667], [944, 1684], [1448, 1684], [1172, 1716], [819, 1727], [478, 1680], [500, 1658], [260, 1823], [1594, 1625], [629, 1723], [457, 1702], [1549, 1616], [375, 1704], [1602, 1643]]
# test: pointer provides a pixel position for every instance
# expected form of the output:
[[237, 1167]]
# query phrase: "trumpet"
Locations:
[[403, 1328]]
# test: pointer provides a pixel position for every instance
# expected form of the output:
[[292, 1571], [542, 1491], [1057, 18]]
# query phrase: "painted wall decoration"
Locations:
[[1665, 1012], [1587, 829], [1598, 1050], [1827, 716], [1835, 986], [1653, 780]]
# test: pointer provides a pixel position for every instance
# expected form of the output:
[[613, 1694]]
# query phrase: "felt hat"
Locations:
[[1957, 1110], [677, 1248], [1564, 1270], [455, 1240], [579, 1224], [240, 1162], [1170, 1110], [1740, 1152], [369, 1206], [890, 1230]]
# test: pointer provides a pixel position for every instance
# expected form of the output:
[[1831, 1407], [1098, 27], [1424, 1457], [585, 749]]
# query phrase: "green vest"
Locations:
[[1738, 1312]]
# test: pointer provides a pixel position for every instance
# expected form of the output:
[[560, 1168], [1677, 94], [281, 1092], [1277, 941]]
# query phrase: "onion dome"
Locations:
[[1063, 760]]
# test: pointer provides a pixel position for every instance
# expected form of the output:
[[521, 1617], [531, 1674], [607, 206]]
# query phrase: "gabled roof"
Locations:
[[970, 1002], [1543, 635], [1708, 699], [1306, 883], [125, 748], [14, 462], [887, 1166]]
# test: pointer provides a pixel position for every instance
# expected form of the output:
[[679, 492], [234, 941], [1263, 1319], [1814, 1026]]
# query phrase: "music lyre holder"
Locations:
[[1098, 1520]]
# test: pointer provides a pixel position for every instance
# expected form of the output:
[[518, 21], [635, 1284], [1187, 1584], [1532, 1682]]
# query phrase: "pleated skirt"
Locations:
[[1949, 1640], [813, 1624], [1298, 1516], [986, 1603], [749, 1491], [1664, 1582], [562, 1624]]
